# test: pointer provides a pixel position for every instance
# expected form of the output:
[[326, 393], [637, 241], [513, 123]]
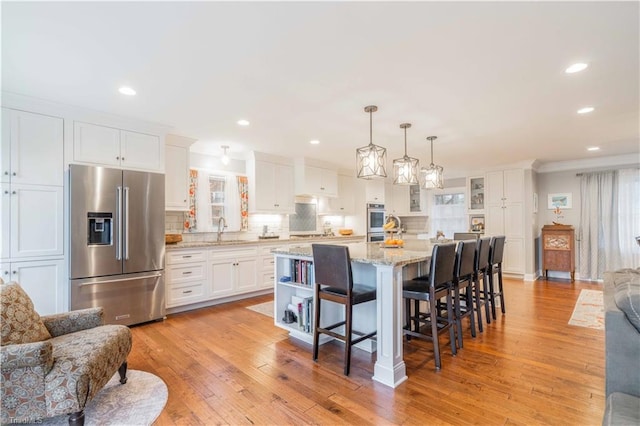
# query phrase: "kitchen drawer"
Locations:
[[182, 295], [234, 253], [267, 263], [185, 256], [266, 280], [187, 272]]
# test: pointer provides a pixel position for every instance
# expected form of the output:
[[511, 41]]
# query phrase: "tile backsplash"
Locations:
[[277, 224]]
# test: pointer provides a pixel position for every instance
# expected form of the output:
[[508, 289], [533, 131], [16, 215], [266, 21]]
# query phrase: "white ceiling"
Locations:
[[486, 78]]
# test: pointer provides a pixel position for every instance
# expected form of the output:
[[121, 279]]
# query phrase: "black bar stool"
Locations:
[[334, 282], [496, 251], [464, 271], [481, 271], [439, 284]]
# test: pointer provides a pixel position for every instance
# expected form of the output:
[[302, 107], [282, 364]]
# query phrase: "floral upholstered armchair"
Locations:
[[55, 364]]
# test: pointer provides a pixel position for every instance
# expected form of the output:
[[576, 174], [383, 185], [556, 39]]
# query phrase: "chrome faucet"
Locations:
[[221, 227]]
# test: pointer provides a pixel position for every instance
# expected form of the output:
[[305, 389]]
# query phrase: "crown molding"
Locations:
[[591, 163]]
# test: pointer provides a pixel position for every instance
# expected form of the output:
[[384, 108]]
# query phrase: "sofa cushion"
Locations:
[[627, 294], [20, 322], [621, 409]]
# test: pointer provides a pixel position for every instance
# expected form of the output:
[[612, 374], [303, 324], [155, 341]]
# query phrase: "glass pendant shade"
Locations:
[[432, 176], [371, 160], [405, 169]]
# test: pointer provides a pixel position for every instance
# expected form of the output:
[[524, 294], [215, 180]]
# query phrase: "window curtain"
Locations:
[[190, 222], [609, 221], [243, 190], [629, 216]]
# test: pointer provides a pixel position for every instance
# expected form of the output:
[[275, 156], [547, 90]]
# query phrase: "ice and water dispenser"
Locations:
[[100, 229]]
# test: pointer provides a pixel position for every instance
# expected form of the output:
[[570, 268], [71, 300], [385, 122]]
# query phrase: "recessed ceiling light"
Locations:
[[585, 110], [576, 68], [243, 122], [593, 148], [125, 90], [314, 142]]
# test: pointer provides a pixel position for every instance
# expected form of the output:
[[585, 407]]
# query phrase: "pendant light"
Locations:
[[432, 175], [405, 169], [371, 160], [225, 158]]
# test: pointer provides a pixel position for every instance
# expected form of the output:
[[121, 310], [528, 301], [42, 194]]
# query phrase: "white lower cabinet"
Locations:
[[205, 274], [233, 271], [42, 280]]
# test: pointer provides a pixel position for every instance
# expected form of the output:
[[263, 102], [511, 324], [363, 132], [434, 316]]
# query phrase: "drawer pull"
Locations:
[[187, 272], [187, 256], [187, 291]]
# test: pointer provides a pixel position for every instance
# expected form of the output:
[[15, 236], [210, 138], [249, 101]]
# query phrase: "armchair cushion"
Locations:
[[20, 322]]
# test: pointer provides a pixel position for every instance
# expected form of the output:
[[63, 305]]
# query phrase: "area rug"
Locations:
[[265, 308], [138, 402], [589, 310]]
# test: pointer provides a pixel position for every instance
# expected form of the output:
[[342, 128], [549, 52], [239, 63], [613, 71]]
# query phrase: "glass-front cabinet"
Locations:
[[475, 191]]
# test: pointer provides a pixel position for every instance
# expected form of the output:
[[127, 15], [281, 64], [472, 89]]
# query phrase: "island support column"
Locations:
[[389, 368]]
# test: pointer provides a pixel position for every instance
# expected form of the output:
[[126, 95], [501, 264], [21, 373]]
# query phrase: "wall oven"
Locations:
[[375, 222]]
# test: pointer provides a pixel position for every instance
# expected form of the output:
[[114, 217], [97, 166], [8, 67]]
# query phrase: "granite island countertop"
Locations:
[[372, 253]]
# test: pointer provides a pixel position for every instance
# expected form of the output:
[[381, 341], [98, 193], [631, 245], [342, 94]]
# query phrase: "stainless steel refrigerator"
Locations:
[[117, 243]]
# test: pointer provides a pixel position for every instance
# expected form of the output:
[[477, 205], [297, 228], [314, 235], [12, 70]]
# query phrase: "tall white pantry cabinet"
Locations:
[[31, 210], [505, 215]]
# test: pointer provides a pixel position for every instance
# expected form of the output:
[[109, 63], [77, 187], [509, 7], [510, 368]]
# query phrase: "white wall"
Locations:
[[565, 181]]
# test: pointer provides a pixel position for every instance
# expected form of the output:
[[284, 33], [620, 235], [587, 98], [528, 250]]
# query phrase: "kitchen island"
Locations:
[[383, 267]]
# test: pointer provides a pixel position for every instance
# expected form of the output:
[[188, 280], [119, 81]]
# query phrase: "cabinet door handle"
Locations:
[[122, 158], [6, 192], [14, 192], [6, 173], [117, 158]]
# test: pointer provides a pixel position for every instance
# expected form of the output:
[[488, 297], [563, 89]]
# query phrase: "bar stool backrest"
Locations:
[[332, 265], [443, 259], [497, 249], [465, 258], [482, 253]]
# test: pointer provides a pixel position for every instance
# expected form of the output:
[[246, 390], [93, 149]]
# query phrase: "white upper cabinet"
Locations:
[[31, 151], [405, 200], [141, 151], [315, 180], [108, 146], [475, 195], [344, 203], [374, 191], [96, 144], [270, 184], [177, 173]]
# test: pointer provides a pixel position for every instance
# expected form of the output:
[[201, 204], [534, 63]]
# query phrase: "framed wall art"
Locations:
[[561, 200]]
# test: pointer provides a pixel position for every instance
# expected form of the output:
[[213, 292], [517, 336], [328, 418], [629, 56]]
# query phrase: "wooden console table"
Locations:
[[558, 249]]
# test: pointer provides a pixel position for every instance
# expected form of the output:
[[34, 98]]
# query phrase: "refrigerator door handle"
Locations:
[[126, 223], [118, 280], [119, 222]]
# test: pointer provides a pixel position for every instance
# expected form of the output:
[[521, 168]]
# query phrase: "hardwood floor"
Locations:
[[230, 365]]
